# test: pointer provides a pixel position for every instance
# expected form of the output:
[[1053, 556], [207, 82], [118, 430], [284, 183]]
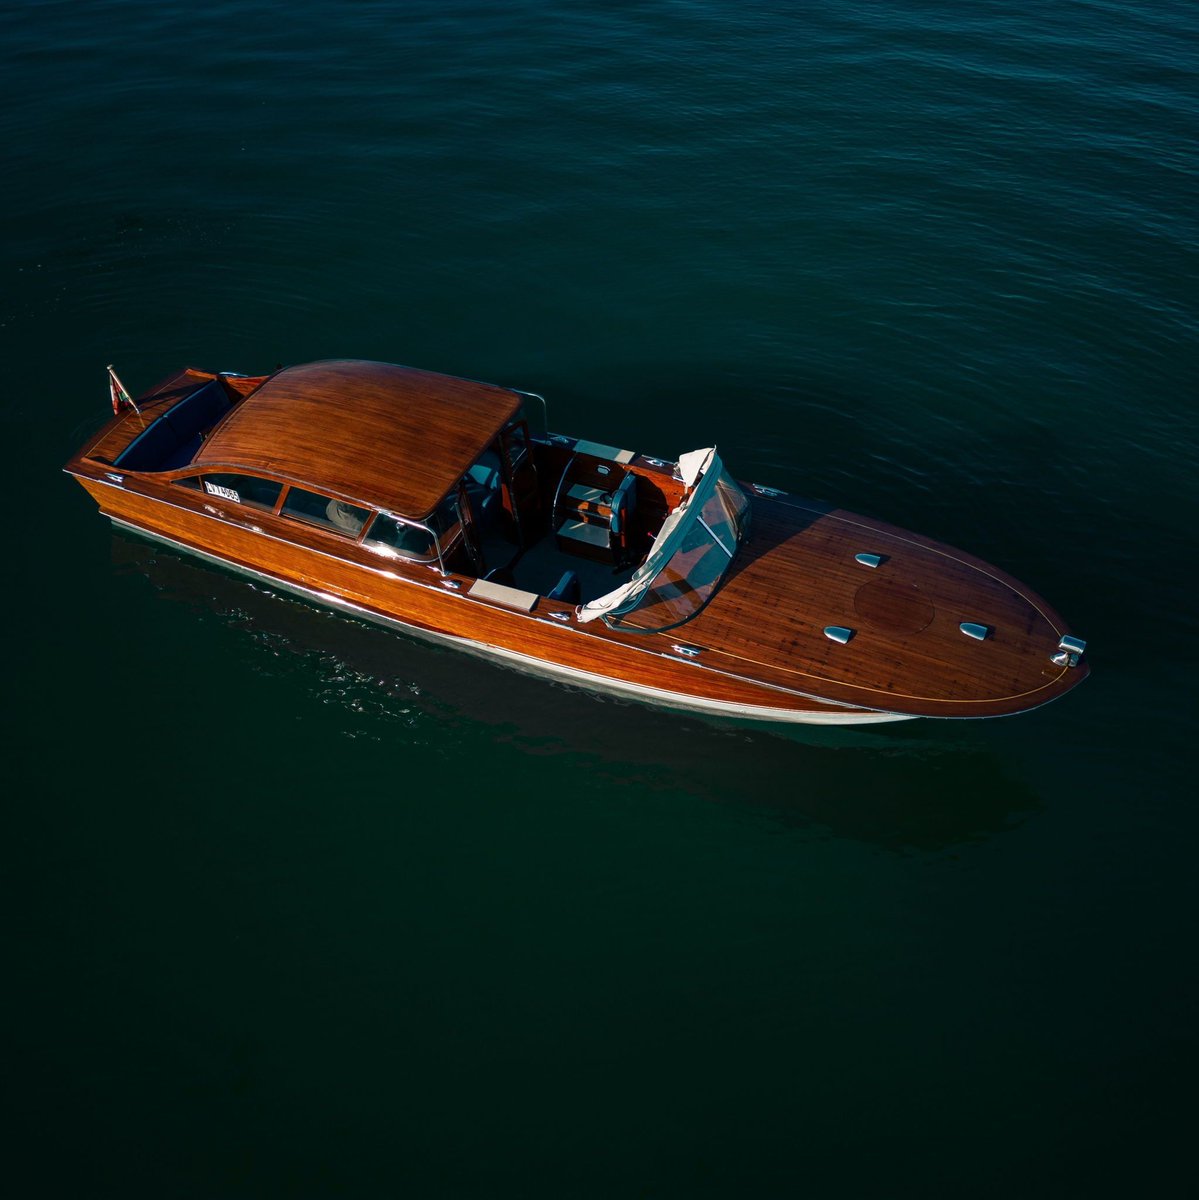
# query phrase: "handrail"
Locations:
[[558, 494], [545, 409]]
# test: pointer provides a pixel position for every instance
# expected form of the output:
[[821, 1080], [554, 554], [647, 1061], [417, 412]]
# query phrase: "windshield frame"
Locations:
[[676, 538]]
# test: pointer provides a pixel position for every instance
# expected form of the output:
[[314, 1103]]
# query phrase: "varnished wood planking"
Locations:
[[774, 607], [439, 609], [118, 432], [726, 671], [762, 636], [390, 437]]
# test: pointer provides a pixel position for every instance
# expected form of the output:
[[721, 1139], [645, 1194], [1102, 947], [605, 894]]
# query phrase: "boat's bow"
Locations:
[[852, 610]]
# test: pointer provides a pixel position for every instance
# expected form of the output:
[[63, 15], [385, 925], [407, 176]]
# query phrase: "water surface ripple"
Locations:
[[302, 908]]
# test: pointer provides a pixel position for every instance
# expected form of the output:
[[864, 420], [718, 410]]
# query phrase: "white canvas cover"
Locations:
[[693, 464], [665, 543]]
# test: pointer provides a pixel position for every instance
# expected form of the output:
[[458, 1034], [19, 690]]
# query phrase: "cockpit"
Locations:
[[690, 555], [582, 523]]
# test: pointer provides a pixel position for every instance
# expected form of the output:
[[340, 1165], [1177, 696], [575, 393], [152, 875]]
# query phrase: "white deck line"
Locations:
[[537, 666]]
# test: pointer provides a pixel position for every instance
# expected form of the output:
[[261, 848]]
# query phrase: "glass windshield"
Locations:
[[701, 548], [724, 513], [391, 536]]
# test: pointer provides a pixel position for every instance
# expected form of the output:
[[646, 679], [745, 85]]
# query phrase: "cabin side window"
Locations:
[[244, 489], [336, 515]]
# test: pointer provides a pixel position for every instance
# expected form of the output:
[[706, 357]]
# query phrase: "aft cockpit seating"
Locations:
[[593, 512], [174, 438]]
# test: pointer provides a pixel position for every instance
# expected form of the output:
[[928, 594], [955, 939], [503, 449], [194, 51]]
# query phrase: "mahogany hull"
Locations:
[[429, 609], [822, 616]]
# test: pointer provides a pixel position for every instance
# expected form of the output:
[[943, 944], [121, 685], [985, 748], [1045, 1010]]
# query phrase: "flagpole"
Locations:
[[118, 394]]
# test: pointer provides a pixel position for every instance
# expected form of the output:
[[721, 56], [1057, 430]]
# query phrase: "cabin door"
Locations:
[[470, 531], [520, 474]]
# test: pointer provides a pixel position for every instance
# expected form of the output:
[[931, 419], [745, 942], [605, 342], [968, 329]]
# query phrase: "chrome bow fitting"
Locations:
[[1069, 651]]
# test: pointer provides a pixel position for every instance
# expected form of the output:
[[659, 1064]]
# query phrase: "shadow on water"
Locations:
[[919, 786]]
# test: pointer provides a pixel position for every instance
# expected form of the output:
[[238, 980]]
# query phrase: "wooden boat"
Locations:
[[442, 507]]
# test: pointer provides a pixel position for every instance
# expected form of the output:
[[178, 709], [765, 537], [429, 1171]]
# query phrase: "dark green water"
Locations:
[[299, 908]]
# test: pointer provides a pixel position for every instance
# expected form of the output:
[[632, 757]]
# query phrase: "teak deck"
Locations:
[[398, 440]]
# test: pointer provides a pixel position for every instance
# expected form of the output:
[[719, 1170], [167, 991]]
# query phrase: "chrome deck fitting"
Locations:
[[1069, 651]]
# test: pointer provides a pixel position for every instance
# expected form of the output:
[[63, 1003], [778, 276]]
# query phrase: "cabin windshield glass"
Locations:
[[394, 537], [692, 553]]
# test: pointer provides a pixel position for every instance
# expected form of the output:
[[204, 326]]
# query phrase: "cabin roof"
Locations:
[[388, 436]]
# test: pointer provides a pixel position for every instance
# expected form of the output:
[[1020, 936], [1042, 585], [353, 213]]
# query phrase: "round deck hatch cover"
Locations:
[[893, 606]]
